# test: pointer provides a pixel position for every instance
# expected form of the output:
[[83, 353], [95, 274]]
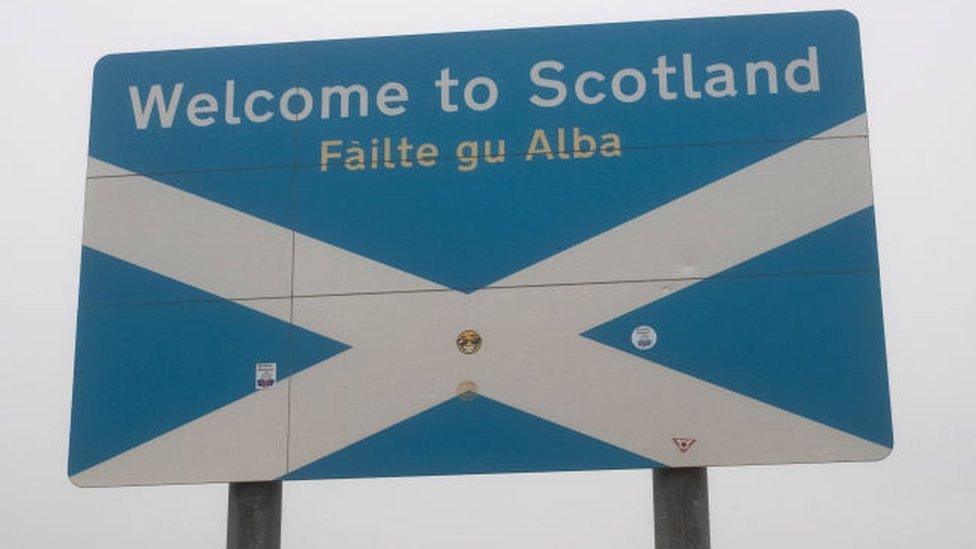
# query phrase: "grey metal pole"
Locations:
[[681, 508], [254, 515]]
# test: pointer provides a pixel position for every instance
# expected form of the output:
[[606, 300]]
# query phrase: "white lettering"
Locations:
[[813, 72], [617, 89], [201, 103], [391, 92], [558, 87], [344, 93], [489, 101], [155, 101], [662, 71], [688, 71], [753, 68], [726, 79], [249, 111], [229, 115], [580, 88], [445, 83]]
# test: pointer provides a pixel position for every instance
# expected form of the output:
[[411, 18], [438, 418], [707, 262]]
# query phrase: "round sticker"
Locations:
[[643, 337]]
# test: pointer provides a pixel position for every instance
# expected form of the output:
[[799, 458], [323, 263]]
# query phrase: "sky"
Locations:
[[919, 80]]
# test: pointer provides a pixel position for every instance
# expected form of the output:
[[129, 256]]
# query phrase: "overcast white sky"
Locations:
[[920, 82]]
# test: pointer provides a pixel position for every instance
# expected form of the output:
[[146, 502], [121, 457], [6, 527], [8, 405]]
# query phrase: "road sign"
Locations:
[[591, 247]]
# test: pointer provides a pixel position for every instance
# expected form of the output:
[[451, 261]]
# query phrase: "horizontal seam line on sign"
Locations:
[[270, 167], [242, 300], [595, 151], [591, 283], [214, 300]]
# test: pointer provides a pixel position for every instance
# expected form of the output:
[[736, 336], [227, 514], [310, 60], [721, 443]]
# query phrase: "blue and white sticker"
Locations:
[[643, 337]]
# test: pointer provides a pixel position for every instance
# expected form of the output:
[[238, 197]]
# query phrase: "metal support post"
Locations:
[[254, 515], [681, 508]]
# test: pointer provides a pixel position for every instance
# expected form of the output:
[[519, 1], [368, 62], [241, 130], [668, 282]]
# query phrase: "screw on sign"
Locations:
[[468, 342], [467, 390]]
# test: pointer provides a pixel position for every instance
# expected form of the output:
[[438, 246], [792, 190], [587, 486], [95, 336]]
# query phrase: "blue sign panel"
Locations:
[[592, 247]]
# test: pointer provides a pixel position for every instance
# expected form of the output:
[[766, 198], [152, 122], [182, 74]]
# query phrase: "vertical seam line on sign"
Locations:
[[293, 207]]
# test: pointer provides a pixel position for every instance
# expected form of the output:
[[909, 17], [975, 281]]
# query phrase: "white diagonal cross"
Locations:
[[402, 328]]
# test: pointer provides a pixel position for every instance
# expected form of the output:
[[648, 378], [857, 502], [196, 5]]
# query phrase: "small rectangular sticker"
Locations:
[[265, 375]]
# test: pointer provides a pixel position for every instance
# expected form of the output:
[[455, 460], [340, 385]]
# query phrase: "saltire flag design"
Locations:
[[740, 229]]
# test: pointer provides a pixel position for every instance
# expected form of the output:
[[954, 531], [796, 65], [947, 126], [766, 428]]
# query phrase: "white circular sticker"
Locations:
[[643, 337]]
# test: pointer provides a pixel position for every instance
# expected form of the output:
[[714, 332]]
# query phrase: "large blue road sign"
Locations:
[[592, 247]]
